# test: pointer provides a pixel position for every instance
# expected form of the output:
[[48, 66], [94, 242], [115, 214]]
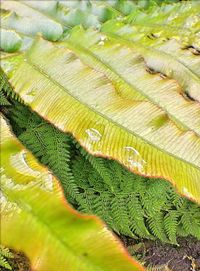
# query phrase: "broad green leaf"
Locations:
[[101, 105], [36, 219], [57, 14], [129, 92], [164, 60], [10, 41], [52, 18]]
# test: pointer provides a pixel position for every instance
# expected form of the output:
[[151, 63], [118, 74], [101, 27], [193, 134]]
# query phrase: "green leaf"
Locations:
[[4, 255], [36, 219], [10, 41], [115, 116], [129, 92], [3, 100]]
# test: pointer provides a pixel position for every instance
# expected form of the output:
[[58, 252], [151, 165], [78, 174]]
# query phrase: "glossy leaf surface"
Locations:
[[36, 219]]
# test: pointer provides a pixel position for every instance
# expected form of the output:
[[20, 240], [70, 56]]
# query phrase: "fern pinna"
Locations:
[[5, 254], [130, 204]]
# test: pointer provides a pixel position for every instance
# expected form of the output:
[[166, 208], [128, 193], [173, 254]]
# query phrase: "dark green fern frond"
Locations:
[[53, 149], [171, 220], [137, 216], [130, 204], [174, 198], [156, 226], [120, 215], [5, 254], [99, 164], [191, 224], [102, 209], [7, 88], [4, 263], [86, 176], [152, 194], [147, 208], [22, 119], [3, 99]]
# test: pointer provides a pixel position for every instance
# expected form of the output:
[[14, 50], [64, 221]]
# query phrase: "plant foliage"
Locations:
[[139, 120], [5, 254], [36, 219], [93, 88], [131, 205]]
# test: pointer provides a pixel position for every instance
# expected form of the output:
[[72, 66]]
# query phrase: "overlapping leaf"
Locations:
[[125, 93], [54, 18], [36, 220]]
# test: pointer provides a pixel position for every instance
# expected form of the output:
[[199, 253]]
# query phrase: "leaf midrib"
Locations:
[[129, 43], [38, 69], [76, 47]]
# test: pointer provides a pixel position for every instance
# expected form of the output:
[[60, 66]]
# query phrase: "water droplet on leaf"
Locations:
[[94, 134]]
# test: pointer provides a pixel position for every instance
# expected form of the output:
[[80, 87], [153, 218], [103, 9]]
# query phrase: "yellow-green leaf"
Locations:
[[10, 41], [111, 113], [36, 219], [130, 92]]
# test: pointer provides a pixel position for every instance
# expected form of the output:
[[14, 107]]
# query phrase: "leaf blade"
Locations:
[[36, 219], [56, 74]]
